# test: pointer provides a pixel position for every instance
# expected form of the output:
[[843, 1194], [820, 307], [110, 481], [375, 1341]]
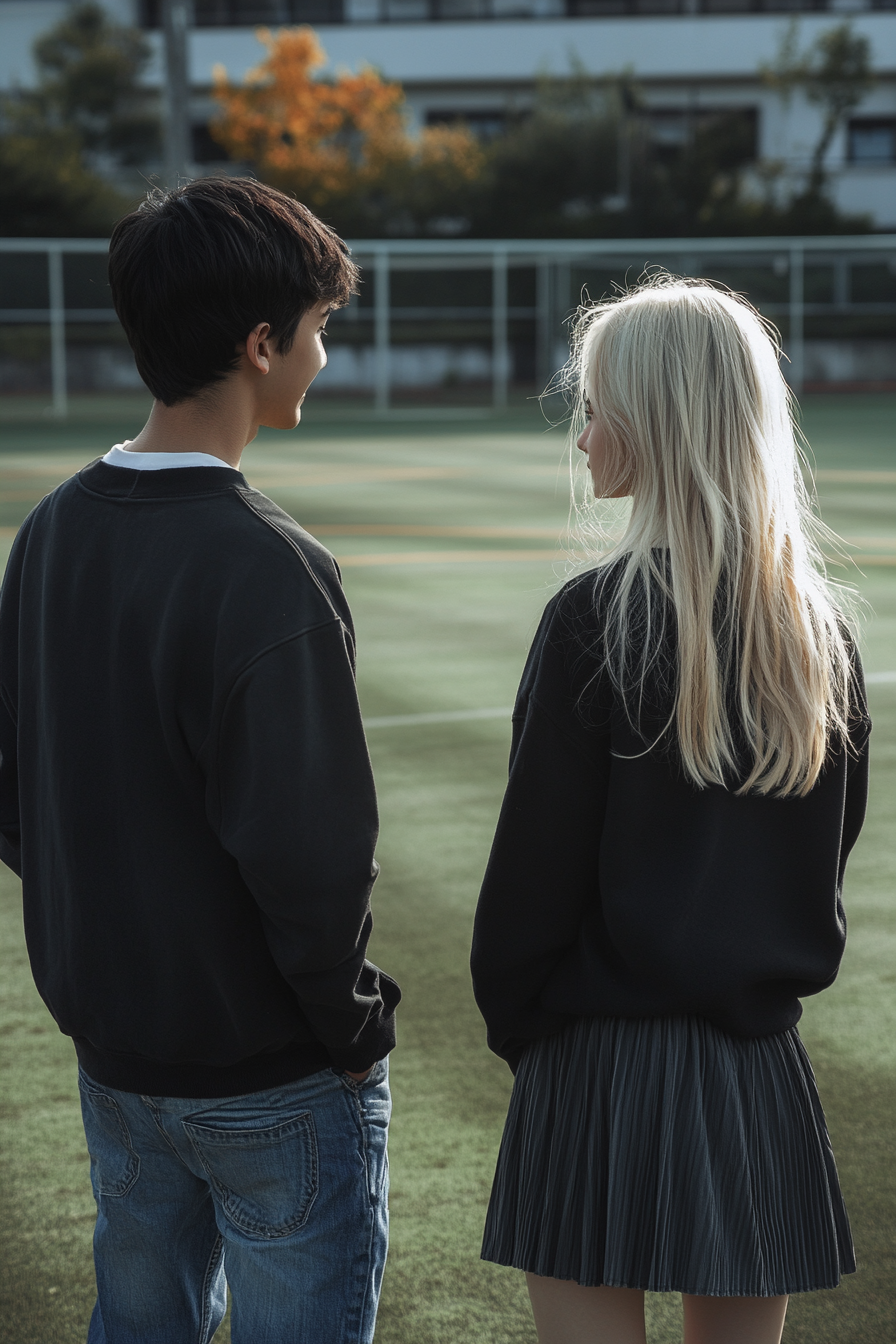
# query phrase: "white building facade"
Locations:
[[480, 59]]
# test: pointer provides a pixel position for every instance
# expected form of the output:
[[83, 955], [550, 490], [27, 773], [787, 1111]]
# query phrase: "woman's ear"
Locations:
[[260, 347]]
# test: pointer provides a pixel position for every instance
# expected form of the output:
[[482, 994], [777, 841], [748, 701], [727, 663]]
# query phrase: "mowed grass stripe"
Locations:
[[448, 716], [446, 557], [836, 476], [428, 530], [470, 715]]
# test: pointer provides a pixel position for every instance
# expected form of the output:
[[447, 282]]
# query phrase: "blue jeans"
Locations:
[[284, 1191]]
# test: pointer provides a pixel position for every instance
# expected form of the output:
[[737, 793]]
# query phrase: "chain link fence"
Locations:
[[449, 319]]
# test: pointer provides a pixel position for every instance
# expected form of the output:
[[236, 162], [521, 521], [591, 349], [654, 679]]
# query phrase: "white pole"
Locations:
[[544, 326], [796, 348], [500, 343], [176, 18], [57, 333], [381, 329]]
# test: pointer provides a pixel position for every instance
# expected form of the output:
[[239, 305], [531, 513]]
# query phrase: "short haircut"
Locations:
[[194, 270]]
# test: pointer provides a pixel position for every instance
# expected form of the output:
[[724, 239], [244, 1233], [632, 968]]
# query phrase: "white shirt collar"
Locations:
[[120, 456]]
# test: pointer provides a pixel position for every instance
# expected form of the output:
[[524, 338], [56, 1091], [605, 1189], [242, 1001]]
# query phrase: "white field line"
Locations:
[[448, 557], [879, 678]]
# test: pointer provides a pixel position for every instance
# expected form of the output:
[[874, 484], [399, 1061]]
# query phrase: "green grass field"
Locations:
[[448, 535]]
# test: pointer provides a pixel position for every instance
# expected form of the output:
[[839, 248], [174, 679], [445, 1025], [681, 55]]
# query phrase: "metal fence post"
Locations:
[[562, 301], [176, 21], [500, 343], [544, 325], [796, 348], [381, 330], [57, 332]]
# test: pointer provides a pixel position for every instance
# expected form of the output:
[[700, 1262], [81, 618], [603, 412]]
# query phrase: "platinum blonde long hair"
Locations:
[[721, 541]]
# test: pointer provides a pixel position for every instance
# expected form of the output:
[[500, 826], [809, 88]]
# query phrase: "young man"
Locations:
[[187, 795]]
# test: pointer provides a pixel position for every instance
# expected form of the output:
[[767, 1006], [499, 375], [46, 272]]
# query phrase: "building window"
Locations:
[[249, 13], [872, 141], [736, 129]]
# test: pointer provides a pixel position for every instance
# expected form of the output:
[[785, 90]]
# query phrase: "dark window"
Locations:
[[761, 6], [248, 13], [734, 129], [872, 140], [599, 8], [405, 11]]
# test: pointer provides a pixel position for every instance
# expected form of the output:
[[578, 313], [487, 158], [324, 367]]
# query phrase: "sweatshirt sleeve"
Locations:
[[856, 801], [10, 830], [542, 875], [296, 808], [10, 836]]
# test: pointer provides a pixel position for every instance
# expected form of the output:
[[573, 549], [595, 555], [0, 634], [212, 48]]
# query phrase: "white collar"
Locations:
[[120, 456]]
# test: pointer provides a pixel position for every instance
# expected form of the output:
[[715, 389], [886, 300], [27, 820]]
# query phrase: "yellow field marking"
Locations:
[[865, 560], [444, 557], [871, 541], [856, 477], [424, 530]]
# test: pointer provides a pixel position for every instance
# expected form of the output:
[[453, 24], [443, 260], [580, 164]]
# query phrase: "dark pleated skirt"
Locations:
[[664, 1154]]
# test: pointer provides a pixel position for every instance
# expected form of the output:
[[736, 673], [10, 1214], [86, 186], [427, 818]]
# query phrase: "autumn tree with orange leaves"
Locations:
[[341, 144]]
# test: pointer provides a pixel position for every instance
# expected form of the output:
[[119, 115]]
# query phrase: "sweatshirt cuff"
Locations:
[[376, 1039], [368, 1050]]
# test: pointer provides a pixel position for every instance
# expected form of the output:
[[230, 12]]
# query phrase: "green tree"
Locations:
[[89, 70], [86, 121], [584, 162], [834, 72], [550, 171], [46, 192]]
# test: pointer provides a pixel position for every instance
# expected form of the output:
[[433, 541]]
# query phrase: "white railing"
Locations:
[[552, 261]]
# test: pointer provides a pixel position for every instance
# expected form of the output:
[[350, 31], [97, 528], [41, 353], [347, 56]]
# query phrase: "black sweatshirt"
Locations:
[[616, 887], [185, 786]]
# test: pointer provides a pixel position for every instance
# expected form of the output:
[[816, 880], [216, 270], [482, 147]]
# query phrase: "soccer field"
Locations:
[[449, 536]]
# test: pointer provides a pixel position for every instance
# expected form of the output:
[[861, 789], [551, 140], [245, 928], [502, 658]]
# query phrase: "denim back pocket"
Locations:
[[265, 1179], [114, 1165]]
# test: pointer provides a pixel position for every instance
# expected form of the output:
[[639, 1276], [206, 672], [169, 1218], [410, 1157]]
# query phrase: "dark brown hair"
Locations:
[[194, 270]]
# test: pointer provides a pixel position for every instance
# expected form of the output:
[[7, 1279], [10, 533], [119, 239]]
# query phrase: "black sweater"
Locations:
[[185, 786], [617, 887]]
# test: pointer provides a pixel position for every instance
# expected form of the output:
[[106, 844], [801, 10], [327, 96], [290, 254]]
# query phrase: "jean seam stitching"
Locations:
[[253, 1230], [110, 1104], [155, 1114], [211, 1270]]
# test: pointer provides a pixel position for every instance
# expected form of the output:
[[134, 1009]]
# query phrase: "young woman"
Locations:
[[688, 775]]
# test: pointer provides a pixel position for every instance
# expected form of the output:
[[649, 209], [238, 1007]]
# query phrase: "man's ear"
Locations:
[[260, 347]]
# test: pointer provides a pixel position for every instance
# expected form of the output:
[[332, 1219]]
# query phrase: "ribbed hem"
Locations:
[[159, 1078]]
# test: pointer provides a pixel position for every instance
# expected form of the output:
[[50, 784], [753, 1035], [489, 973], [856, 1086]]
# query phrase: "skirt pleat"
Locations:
[[667, 1155]]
